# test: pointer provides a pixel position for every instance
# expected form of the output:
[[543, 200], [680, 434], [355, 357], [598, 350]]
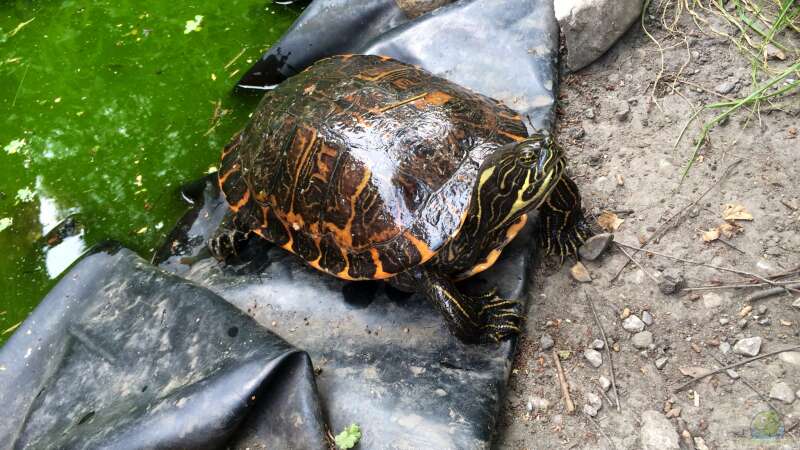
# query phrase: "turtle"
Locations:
[[368, 168]]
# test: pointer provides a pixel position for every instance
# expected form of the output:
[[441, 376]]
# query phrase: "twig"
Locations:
[[606, 346], [770, 292], [752, 388], [600, 429], [666, 226], [562, 380], [19, 87], [731, 366], [712, 287], [731, 246], [637, 263], [724, 269], [234, 58]]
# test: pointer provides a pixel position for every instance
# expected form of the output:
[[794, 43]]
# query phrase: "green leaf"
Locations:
[[348, 438]]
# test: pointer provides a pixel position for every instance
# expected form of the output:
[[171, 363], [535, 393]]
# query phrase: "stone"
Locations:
[[732, 373], [748, 346], [579, 273], [594, 357], [700, 443], [773, 52], [712, 300], [671, 282], [674, 412], [796, 303], [742, 323], [590, 27], [538, 404], [792, 358], [597, 344], [589, 410], [661, 362], [642, 340], [594, 401], [589, 113], [647, 318], [781, 391], [725, 87], [595, 246], [762, 309], [546, 342], [633, 324], [724, 321], [622, 111], [657, 432], [605, 383], [724, 347]]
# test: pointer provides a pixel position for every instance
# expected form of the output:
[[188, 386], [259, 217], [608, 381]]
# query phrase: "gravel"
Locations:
[[633, 324], [657, 432], [605, 383], [647, 318], [781, 391], [724, 347], [594, 357], [546, 342], [661, 362], [642, 340], [748, 347], [596, 246], [672, 281], [597, 344]]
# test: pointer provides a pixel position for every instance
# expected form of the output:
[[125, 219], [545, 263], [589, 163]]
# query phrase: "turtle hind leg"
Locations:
[[227, 241], [482, 318], [563, 228]]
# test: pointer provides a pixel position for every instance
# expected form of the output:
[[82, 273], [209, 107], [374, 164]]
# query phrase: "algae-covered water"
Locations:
[[106, 108]]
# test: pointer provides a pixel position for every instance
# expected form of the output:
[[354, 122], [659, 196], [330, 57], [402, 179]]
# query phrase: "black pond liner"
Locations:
[[126, 354]]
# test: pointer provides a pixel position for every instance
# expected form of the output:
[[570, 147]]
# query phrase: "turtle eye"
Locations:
[[528, 153]]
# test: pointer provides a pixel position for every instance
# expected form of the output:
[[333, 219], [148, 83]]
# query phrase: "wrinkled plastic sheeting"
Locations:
[[123, 355], [505, 49], [385, 358]]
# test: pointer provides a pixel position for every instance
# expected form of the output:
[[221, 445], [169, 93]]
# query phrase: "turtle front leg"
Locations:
[[480, 318], [562, 226]]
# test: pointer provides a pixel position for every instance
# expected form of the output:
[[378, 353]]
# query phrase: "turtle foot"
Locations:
[[500, 318]]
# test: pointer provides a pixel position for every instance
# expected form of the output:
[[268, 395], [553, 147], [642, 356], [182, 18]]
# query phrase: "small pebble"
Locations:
[[796, 303], [781, 391], [589, 410], [538, 404], [661, 362], [762, 309], [594, 401], [623, 111], [546, 342], [642, 340], [700, 444], [748, 347], [724, 320], [595, 246], [712, 300], [725, 87], [633, 324], [580, 273], [742, 323], [674, 412], [732, 373], [594, 357], [724, 347], [605, 383], [672, 281], [597, 344], [647, 318], [625, 313], [589, 113]]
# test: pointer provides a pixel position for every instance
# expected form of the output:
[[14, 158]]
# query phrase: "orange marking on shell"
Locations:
[[512, 136], [344, 236], [243, 201], [227, 174], [437, 98], [425, 252], [380, 274], [301, 162]]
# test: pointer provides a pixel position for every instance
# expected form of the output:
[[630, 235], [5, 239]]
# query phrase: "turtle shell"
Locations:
[[362, 165]]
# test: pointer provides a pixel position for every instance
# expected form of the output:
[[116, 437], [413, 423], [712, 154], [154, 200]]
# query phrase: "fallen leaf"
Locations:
[[694, 371], [142, 230], [348, 438], [193, 25], [735, 212], [609, 221], [564, 355], [6, 222], [711, 235], [729, 230], [580, 273]]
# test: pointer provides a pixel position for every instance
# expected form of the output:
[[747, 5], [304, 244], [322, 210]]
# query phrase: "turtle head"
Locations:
[[518, 177]]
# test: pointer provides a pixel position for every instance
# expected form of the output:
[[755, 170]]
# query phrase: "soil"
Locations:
[[624, 163]]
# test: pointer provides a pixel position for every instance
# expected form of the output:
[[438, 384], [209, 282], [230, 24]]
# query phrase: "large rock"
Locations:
[[657, 432], [590, 27]]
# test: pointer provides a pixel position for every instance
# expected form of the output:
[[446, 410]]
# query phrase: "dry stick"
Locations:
[[599, 428], [666, 226], [606, 346], [752, 388], [562, 380], [731, 366], [770, 292], [637, 263], [712, 287], [724, 269]]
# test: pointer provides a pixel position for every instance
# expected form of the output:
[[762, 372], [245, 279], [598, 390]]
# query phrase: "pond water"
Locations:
[[107, 108]]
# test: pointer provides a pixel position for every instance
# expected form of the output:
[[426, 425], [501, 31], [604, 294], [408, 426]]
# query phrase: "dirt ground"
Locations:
[[620, 144]]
